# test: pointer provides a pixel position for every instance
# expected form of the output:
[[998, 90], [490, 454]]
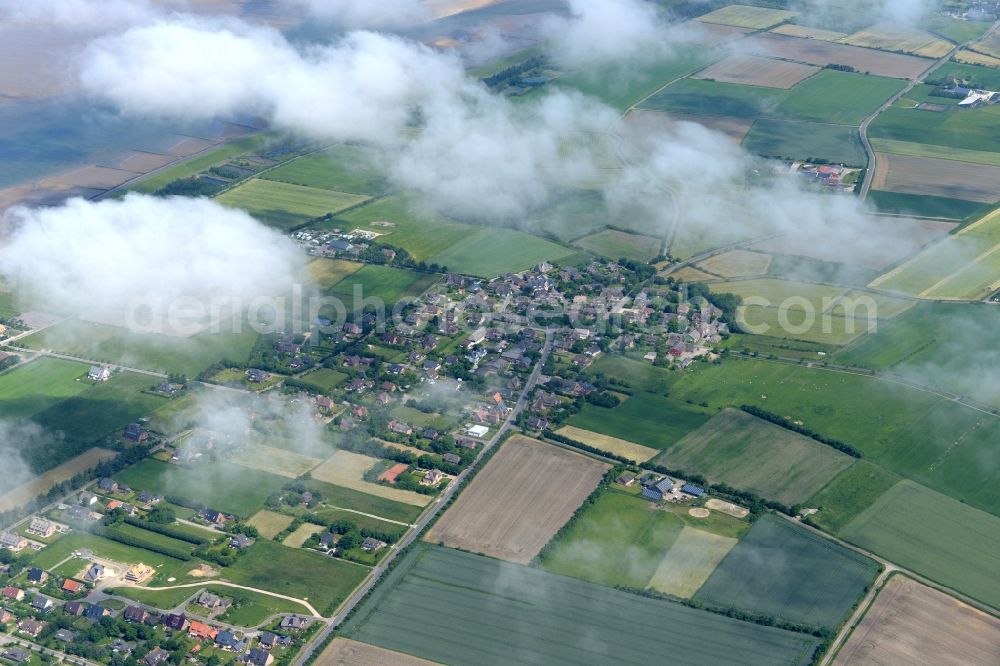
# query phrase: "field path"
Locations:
[[863, 130], [223, 583]]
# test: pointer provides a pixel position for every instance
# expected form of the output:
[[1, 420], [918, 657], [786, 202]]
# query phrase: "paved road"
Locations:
[[376, 574], [870, 173]]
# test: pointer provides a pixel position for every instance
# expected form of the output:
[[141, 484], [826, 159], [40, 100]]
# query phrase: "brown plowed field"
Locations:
[[757, 71], [816, 52], [913, 624], [518, 501], [936, 177]]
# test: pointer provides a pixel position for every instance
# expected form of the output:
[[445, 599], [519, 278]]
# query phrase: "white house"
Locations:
[[99, 373]]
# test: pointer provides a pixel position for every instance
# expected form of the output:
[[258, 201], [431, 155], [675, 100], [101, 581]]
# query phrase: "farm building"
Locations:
[[692, 490], [135, 432], [99, 373]]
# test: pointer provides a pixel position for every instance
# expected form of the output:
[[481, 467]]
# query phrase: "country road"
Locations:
[[863, 129], [376, 574]]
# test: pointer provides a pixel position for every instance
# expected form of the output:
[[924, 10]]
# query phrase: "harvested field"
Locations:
[[270, 523], [621, 447], [40, 484], [875, 255], [518, 501], [816, 52], [345, 652], [973, 58], [757, 71], [807, 32], [302, 534], [187, 145], [734, 128], [690, 561], [328, 272], [688, 274], [902, 40], [745, 16], [347, 469], [276, 461], [145, 162], [737, 263], [931, 150], [728, 508], [910, 623], [989, 45], [713, 34], [935, 177], [97, 177], [749, 453]]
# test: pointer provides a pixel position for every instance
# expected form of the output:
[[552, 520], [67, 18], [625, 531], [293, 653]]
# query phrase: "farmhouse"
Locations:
[[99, 373], [256, 376], [240, 541], [135, 432]]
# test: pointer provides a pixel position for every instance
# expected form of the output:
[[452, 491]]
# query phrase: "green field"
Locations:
[[924, 344], [346, 498], [925, 205], [415, 228], [905, 430], [324, 379], [850, 493], [957, 31], [977, 76], [616, 244], [387, 284], [237, 490], [454, 607], [38, 385], [325, 273], [789, 140], [968, 129], [621, 92], [619, 540], [491, 251], [285, 205], [149, 351], [828, 97], [936, 536], [938, 152], [644, 418], [783, 570], [322, 581], [197, 164], [749, 453], [343, 167]]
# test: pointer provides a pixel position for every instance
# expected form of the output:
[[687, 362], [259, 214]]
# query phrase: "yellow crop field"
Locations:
[[900, 40], [744, 16], [348, 469], [620, 447]]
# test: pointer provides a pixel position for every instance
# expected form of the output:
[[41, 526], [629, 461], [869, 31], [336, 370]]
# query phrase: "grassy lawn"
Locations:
[[931, 534], [38, 385], [234, 489], [621, 540], [346, 498], [149, 351], [828, 97], [285, 205], [644, 418], [746, 452], [783, 570], [785, 139], [850, 493], [387, 284], [420, 232], [925, 205], [454, 607], [343, 167], [324, 379], [321, 580], [491, 251]]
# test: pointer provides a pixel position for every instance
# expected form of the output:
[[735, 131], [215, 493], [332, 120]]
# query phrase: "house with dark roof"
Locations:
[[228, 641], [74, 608], [257, 657], [295, 622], [65, 636], [42, 603], [175, 621], [136, 614], [156, 656], [30, 627], [16, 654], [693, 490], [37, 576], [95, 612]]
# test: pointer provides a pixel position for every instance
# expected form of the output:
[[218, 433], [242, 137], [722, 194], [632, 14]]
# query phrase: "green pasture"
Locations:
[[966, 129], [749, 453], [925, 205], [647, 419], [791, 140], [783, 570], [850, 493], [343, 168], [939, 152], [346, 498], [390, 285], [491, 251], [616, 244]]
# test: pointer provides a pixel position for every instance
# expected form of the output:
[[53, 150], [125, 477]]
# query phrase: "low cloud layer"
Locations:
[[606, 32], [367, 14], [111, 257]]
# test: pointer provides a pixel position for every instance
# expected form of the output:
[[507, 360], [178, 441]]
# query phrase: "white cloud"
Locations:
[[103, 259], [608, 32], [78, 15], [374, 14]]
